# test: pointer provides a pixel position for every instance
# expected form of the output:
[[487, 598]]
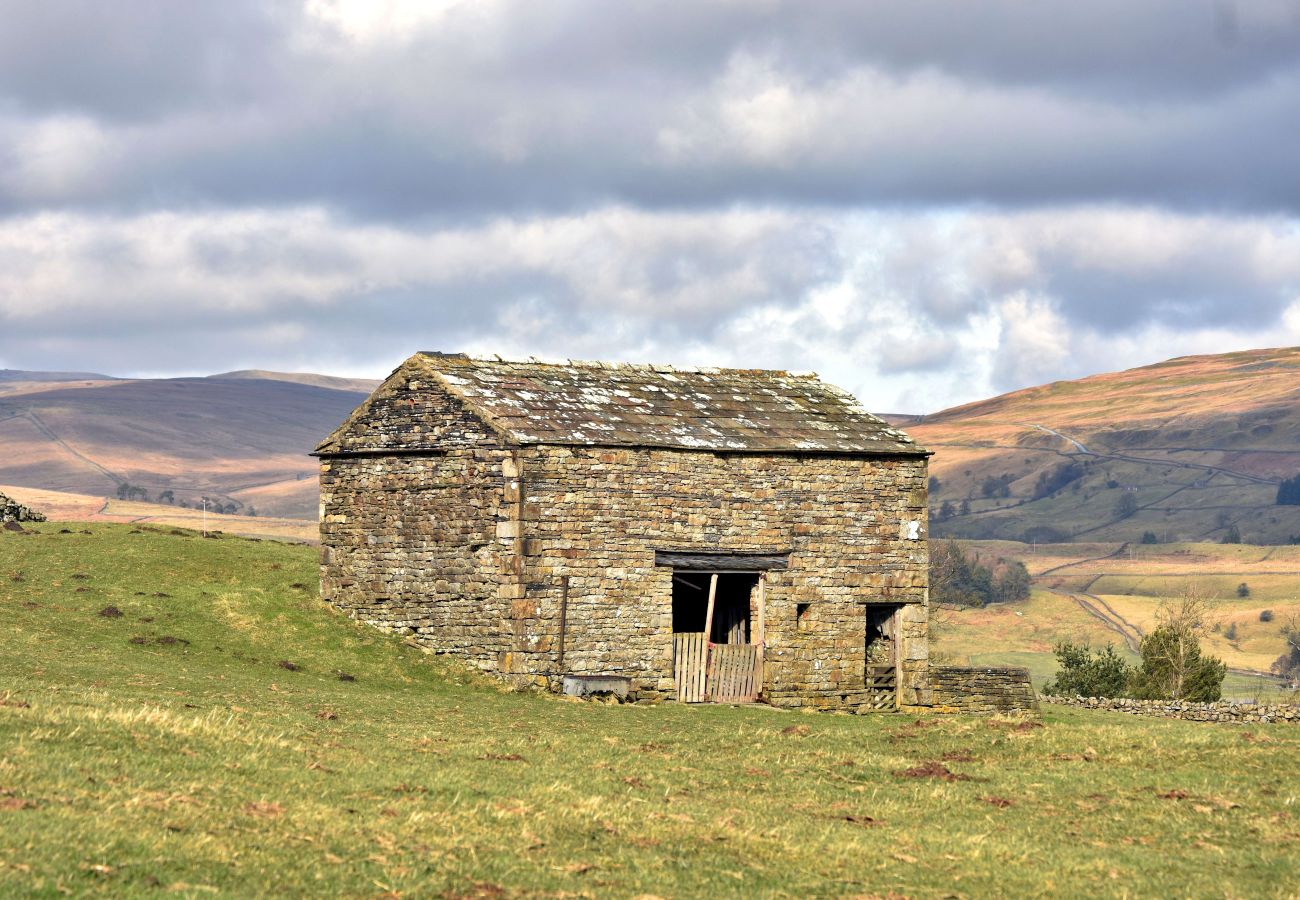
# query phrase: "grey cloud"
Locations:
[[520, 107], [139, 59]]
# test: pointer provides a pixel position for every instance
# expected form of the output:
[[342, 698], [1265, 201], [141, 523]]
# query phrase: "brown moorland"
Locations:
[[1198, 444], [241, 438]]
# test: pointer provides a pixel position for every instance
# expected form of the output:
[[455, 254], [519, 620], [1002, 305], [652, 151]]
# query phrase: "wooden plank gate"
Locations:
[[690, 661], [882, 686], [732, 668], [721, 673]]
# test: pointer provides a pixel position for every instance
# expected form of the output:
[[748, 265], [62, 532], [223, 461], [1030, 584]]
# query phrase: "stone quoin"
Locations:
[[678, 534]]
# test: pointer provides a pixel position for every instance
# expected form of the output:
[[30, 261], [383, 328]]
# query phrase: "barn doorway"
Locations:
[[881, 672], [717, 636], [732, 607]]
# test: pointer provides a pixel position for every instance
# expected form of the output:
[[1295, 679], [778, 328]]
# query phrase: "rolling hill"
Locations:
[[1188, 450], [241, 438]]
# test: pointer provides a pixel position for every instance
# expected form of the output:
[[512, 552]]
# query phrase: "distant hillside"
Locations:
[[1187, 449], [241, 438], [360, 385]]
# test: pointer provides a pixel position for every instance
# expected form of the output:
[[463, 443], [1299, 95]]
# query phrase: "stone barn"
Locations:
[[663, 533]]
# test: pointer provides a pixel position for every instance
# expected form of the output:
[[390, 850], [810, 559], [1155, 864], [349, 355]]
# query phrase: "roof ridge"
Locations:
[[657, 368]]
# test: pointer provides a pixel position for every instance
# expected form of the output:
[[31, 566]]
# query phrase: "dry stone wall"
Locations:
[[1218, 711], [13, 511], [982, 689]]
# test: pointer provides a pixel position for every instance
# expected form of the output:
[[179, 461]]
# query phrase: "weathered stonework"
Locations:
[[982, 690], [13, 511], [1217, 711], [449, 514]]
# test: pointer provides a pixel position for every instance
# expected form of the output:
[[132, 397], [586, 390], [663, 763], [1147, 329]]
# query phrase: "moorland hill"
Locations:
[[1188, 449], [241, 438]]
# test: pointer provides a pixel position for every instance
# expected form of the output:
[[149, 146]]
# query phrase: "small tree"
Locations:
[[1085, 672], [1173, 667], [1149, 537], [1232, 535], [1011, 582], [1288, 664], [1243, 590]]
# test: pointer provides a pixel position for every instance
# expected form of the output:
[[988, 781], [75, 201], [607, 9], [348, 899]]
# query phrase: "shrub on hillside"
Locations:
[[1050, 482], [1266, 615], [1044, 534], [961, 579], [1149, 537], [996, 486], [1232, 535], [1243, 590], [1085, 672], [1125, 506]]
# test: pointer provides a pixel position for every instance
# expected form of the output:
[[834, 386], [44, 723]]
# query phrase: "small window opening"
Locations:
[[801, 615]]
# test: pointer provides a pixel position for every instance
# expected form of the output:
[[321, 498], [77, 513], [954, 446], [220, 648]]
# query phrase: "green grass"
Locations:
[[130, 762]]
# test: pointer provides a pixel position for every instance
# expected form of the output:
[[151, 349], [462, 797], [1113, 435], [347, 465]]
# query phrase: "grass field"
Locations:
[[1124, 585], [181, 713]]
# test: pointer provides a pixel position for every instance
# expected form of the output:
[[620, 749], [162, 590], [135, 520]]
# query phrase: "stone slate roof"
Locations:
[[621, 405]]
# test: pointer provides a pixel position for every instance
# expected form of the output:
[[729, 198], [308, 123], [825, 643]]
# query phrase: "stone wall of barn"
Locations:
[[596, 516], [409, 544]]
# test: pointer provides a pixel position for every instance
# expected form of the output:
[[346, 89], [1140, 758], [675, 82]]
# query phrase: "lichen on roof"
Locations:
[[623, 405]]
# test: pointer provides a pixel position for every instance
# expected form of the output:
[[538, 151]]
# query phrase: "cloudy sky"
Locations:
[[927, 202]]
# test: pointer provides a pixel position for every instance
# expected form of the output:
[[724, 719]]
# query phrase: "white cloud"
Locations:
[[912, 310]]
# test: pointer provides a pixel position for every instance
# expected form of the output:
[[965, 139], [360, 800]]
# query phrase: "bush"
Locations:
[[1266, 615], [1231, 631], [1243, 590], [1232, 535], [1149, 537], [1085, 672]]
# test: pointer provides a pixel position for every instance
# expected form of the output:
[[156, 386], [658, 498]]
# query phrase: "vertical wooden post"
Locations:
[[708, 637], [760, 636], [708, 617]]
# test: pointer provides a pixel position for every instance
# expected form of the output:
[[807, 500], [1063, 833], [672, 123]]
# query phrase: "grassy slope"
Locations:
[[1151, 431], [199, 763]]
